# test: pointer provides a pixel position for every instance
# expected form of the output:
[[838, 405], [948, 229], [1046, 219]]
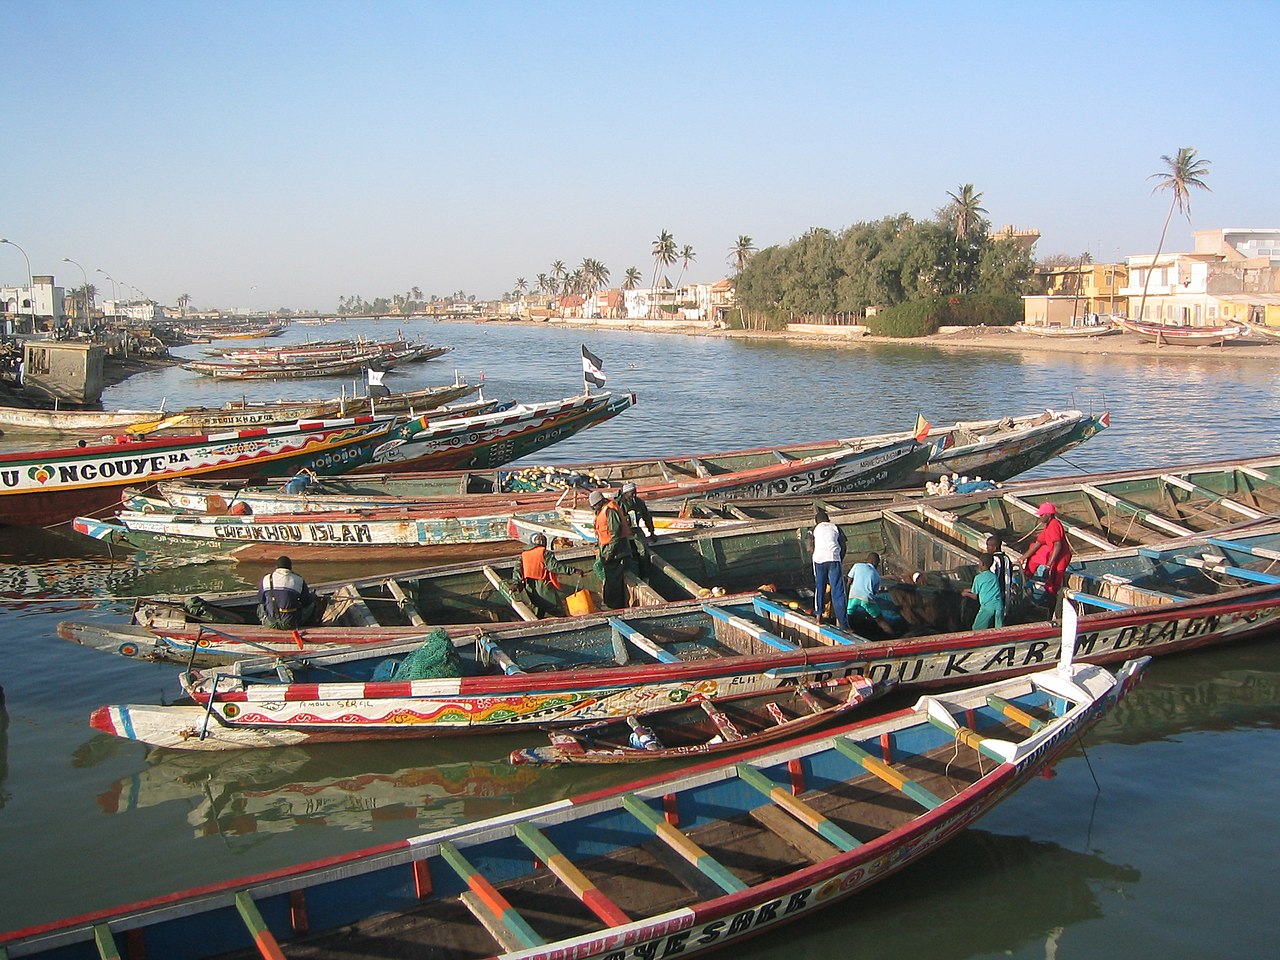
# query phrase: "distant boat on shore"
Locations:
[[1188, 336], [1073, 331]]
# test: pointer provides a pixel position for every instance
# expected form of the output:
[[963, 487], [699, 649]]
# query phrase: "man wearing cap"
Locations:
[[541, 572], [1047, 557], [285, 602], [637, 513], [613, 549]]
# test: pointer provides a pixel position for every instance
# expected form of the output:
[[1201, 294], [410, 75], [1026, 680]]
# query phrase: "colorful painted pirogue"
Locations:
[[654, 868], [995, 449], [235, 415], [629, 663], [43, 487], [941, 537]]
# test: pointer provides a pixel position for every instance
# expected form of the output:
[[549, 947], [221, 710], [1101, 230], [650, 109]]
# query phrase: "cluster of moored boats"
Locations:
[[718, 661]]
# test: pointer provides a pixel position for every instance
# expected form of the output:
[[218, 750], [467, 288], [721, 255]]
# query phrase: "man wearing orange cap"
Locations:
[[1047, 557]]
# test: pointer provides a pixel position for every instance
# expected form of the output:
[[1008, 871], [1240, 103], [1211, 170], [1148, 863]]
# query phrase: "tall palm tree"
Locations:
[[664, 254], [558, 270], [1182, 172], [687, 256], [966, 210], [183, 300], [542, 282], [631, 279], [521, 286], [741, 252]]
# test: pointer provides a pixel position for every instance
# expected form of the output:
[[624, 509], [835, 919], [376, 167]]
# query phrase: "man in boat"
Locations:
[[541, 572], [285, 602], [1045, 561], [613, 549], [641, 521], [986, 590], [828, 543], [999, 564], [870, 608]]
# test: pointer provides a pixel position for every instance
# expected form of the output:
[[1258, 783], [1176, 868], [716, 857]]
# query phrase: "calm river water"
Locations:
[[1159, 841]]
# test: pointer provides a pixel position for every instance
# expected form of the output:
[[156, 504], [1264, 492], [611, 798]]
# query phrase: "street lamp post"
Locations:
[[31, 283], [87, 323], [115, 297]]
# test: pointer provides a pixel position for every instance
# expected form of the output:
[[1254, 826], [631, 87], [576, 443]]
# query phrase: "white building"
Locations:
[[42, 299]]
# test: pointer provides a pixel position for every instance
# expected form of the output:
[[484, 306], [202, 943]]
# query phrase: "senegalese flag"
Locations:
[[592, 372], [923, 427]]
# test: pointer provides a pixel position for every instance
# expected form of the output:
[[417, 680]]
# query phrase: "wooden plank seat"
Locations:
[[638, 640]]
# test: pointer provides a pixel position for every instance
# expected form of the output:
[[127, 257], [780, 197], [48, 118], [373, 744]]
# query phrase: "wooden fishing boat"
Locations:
[[690, 861], [490, 440], [233, 415], [890, 461], [617, 664], [1072, 331], [323, 350], [1262, 331], [306, 368], [704, 727], [937, 537], [1179, 335], [43, 487]]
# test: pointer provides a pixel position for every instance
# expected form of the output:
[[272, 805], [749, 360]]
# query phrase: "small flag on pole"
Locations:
[[923, 427], [592, 375]]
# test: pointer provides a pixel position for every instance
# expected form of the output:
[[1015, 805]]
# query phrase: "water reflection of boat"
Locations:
[[968, 878], [253, 792]]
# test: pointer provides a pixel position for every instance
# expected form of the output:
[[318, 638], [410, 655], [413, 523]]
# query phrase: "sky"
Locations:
[[284, 154]]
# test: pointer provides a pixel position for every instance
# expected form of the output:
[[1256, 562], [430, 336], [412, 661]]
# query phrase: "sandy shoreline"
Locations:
[[970, 338]]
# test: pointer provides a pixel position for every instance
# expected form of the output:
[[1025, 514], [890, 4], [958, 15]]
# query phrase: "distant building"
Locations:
[[1232, 274], [1023, 237], [1077, 291], [42, 299]]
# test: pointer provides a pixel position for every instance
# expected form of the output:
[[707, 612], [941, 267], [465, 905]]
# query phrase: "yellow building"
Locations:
[[1075, 292]]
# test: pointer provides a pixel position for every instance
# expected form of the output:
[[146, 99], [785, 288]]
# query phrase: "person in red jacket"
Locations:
[[1045, 561]]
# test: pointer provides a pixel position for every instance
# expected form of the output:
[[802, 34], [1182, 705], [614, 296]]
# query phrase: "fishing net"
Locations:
[[436, 659]]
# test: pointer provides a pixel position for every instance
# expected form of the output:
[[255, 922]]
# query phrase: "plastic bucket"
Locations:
[[579, 603]]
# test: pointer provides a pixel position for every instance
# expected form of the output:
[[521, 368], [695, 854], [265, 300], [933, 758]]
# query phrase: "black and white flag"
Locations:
[[592, 375]]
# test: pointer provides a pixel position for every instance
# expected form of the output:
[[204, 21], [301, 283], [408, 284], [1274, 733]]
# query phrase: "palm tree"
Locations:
[[664, 254], [741, 252], [631, 279], [521, 286], [687, 256], [183, 300], [542, 283], [966, 211], [1181, 173]]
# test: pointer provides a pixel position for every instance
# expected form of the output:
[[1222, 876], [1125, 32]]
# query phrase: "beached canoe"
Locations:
[[1182, 335], [690, 861]]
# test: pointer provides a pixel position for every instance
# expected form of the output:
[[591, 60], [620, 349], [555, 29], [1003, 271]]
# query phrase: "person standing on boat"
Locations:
[[986, 590], [541, 572], [613, 549], [828, 568], [285, 602], [870, 607], [637, 513], [999, 564], [1046, 559]]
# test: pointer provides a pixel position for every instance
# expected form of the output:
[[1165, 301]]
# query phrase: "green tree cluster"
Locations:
[[887, 263]]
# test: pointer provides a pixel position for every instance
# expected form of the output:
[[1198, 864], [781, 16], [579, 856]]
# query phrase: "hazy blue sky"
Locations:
[[275, 153]]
